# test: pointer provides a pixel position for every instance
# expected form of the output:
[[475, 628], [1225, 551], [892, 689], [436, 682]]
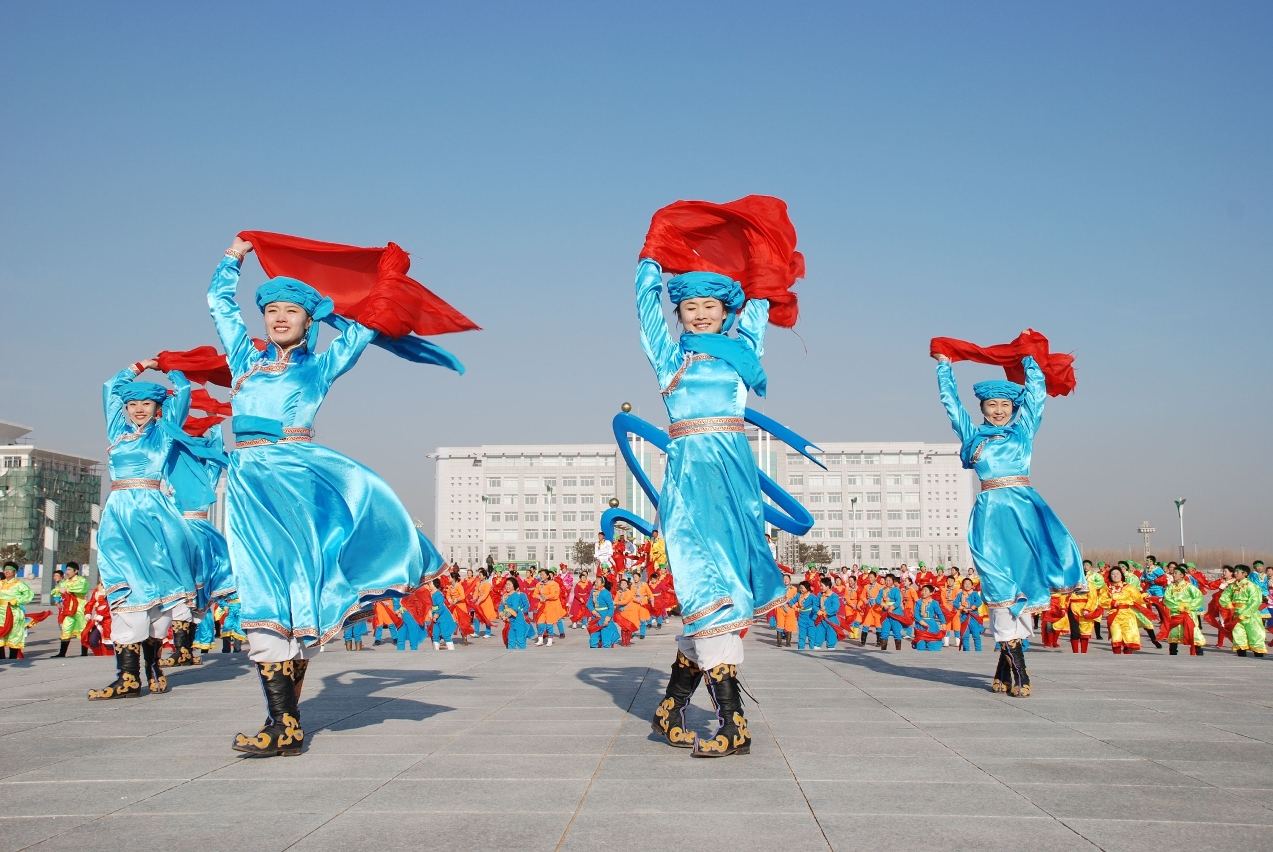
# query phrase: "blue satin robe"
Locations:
[[514, 609], [444, 625], [710, 509], [144, 552], [212, 575], [1023, 553], [314, 536], [601, 605]]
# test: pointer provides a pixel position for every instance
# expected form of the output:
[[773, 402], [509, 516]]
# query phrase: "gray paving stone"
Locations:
[[919, 830]]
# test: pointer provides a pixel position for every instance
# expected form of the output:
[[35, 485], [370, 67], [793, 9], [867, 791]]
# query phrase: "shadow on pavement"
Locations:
[[340, 690], [877, 662]]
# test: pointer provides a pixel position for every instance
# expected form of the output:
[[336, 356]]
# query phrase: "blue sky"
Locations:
[[1100, 172]]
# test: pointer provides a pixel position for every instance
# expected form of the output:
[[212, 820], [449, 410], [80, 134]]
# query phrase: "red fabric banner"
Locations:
[[1058, 368], [202, 365], [751, 240], [201, 400], [369, 285], [197, 427]]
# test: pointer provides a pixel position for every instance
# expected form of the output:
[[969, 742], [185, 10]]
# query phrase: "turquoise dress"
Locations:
[[1023, 553], [144, 552], [514, 609], [195, 494], [710, 509], [313, 536], [601, 605]]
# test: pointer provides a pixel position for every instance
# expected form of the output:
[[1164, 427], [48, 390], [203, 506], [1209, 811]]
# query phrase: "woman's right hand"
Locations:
[[241, 246], [941, 359]]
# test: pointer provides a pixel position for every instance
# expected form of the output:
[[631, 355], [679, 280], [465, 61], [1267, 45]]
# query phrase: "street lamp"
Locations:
[[853, 515], [1180, 513], [550, 513], [1146, 530]]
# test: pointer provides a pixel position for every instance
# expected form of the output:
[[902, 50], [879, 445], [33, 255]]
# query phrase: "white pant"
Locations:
[[130, 628], [266, 646], [713, 651], [1005, 628]]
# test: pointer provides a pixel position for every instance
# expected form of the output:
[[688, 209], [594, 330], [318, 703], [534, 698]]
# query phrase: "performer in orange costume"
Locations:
[[550, 611]]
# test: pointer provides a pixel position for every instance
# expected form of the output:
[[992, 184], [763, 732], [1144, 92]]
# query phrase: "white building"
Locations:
[[879, 503]]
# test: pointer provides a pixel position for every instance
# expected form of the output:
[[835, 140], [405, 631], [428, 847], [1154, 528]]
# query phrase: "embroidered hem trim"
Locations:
[[134, 484], [720, 629], [769, 607], [195, 516], [703, 425], [676, 379], [291, 435], [1005, 482], [707, 610], [160, 602]]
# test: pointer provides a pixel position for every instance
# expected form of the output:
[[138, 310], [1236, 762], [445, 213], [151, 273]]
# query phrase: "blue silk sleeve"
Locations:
[[752, 324], [345, 350], [113, 406], [949, 390], [177, 406], [665, 356], [1036, 392], [228, 319]]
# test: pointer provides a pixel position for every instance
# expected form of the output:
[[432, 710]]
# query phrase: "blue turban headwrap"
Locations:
[[298, 293], [135, 391], [999, 389], [731, 350]]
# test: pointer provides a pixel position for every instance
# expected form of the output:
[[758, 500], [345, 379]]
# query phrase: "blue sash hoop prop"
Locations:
[[786, 513]]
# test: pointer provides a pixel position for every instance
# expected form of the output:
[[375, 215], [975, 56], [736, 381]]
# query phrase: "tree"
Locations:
[[583, 553], [13, 553], [75, 552], [815, 553]]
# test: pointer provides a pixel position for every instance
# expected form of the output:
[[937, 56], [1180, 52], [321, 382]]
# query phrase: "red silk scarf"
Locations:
[[1057, 368]]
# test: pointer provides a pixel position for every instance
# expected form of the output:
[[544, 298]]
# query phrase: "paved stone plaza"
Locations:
[[550, 748]]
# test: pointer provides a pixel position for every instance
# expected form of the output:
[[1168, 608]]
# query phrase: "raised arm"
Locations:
[[346, 349], [177, 406], [665, 356], [1036, 393], [959, 419], [113, 405], [752, 324], [227, 317]]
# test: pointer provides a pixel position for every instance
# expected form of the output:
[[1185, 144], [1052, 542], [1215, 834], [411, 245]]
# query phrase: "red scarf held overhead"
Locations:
[[368, 285], [751, 240], [1058, 368], [201, 365]]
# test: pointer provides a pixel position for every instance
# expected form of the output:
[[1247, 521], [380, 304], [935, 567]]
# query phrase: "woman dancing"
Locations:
[[314, 537], [145, 555], [1023, 552]]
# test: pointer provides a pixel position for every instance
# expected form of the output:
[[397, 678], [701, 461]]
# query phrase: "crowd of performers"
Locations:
[[931, 610], [317, 546]]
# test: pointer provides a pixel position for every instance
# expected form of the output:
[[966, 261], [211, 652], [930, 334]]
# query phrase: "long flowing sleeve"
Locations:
[[346, 349], [227, 317], [959, 419], [752, 324], [113, 405], [665, 356], [177, 407], [1036, 393]]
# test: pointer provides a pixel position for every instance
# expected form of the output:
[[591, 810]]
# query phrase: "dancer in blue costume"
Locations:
[[513, 608], [601, 605], [710, 508], [193, 473], [313, 536], [444, 625], [829, 614], [1023, 553], [145, 554]]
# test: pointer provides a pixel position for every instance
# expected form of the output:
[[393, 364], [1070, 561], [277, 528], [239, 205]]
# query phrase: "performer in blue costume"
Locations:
[[145, 554], [314, 537], [1022, 551], [443, 622], [601, 605], [513, 608], [710, 508], [829, 613], [806, 619], [194, 470]]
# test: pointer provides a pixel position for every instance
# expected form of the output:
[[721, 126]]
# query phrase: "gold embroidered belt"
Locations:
[[195, 516], [133, 484], [291, 435], [1005, 482], [703, 425]]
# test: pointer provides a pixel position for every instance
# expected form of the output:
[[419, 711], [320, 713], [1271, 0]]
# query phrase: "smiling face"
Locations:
[[141, 411], [286, 323], [701, 316], [997, 411]]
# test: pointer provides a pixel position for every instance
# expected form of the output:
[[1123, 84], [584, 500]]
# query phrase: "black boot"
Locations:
[[863, 637], [298, 681], [282, 733], [732, 737], [778, 640], [1154, 639], [1197, 650], [788, 637], [1097, 625], [1173, 648], [669, 716], [1242, 652], [66, 643], [1020, 677], [150, 651], [225, 644], [1003, 674], [128, 683], [83, 650], [897, 644], [182, 642]]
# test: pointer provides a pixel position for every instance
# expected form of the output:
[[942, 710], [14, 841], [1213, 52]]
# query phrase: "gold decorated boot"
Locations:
[[669, 716], [282, 734], [732, 737], [128, 683]]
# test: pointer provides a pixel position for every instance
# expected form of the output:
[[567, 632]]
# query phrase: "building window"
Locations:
[[530, 499], [874, 532], [912, 479], [569, 499], [852, 480], [532, 517], [569, 482], [857, 553], [587, 516], [873, 497], [894, 532], [531, 553], [835, 515], [495, 517], [492, 482], [835, 498], [586, 499], [567, 516], [607, 482], [913, 550], [872, 515], [819, 516], [835, 551], [875, 552], [510, 535], [570, 535], [873, 479], [912, 514], [894, 496], [586, 481], [833, 481], [531, 483], [835, 533], [817, 533], [795, 479], [794, 459], [531, 534], [510, 517], [894, 479], [894, 514], [895, 551], [870, 458], [813, 498], [512, 554], [815, 480], [833, 460], [853, 458], [914, 532], [912, 496]]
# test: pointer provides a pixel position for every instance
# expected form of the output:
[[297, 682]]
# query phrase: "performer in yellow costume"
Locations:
[[1184, 602], [1244, 599], [1121, 600], [14, 596]]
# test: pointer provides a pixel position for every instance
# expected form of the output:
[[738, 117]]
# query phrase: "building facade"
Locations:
[[876, 503], [49, 501]]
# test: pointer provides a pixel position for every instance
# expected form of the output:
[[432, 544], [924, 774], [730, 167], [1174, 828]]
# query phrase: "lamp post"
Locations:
[[1146, 530], [551, 511], [1180, 513], [853, 513]]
